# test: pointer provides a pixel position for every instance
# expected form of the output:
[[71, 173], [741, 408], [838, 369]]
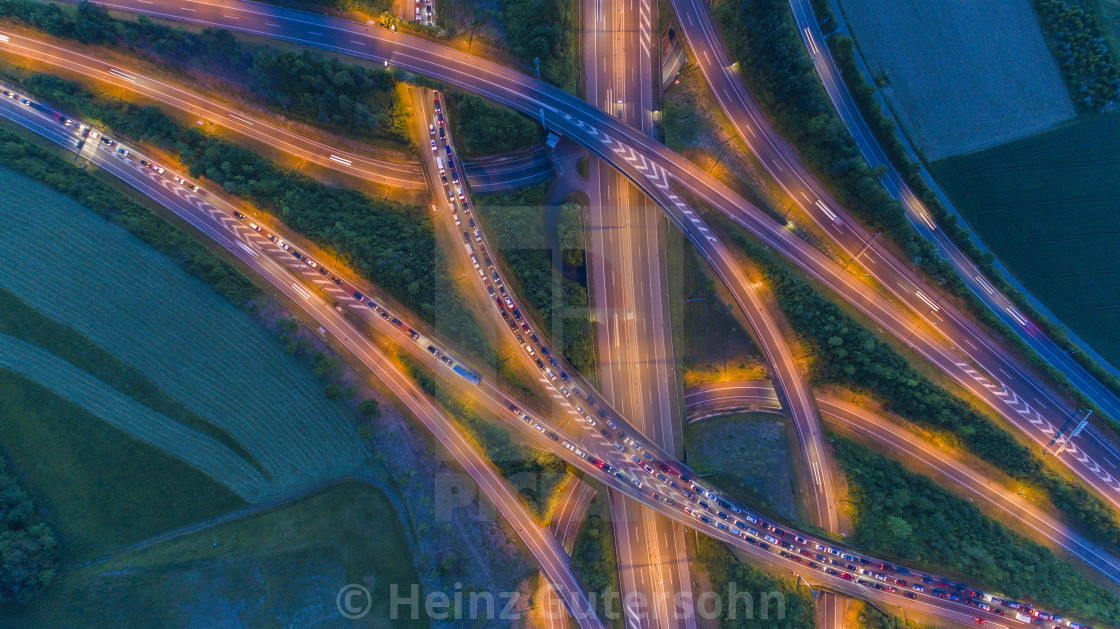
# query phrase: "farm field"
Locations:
[[961, 76], [279, 568], [101, 488], [128, 299], [1046, 206]]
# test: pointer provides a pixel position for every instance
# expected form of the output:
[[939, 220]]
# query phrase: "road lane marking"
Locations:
[[247, 249], [240, 119], [809, 38], [123, 75], [344, 162], [827, 211], [929, 302]]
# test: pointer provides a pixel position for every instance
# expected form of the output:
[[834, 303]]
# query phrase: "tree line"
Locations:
[[28, 159], [544, 29], [354, 100], [906, 515], [1077, 40], [29, 548], [845, 352], [389, 243], [485, 129]]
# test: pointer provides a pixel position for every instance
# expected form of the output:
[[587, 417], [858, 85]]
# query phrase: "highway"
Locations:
[[900, 303], [783, 164], [710, 400], [997, 302], [658, 557], [628, 291], [212, 219], [398, 175]]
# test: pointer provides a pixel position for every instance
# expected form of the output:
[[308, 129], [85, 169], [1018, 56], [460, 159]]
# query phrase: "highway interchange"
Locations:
[[899, 302], [648, 166]]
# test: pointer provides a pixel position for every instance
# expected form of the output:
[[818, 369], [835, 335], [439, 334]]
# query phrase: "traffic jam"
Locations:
[[704, 505], [698, 501]]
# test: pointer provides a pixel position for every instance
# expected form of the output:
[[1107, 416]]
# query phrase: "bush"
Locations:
[[905, 515], [29, 551], [370, 409], [486, 129]]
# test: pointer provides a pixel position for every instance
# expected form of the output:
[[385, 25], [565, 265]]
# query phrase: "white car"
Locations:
[[434, 147]]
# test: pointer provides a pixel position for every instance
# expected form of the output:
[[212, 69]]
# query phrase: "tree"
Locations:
[[370, 408]]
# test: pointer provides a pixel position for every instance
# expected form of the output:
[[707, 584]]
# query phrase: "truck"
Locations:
[[1022, 617], [439, 163], [467, 375]]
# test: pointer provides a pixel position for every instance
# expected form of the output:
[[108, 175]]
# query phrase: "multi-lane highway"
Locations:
[[900, 302], [212, 219], [709, 400], [629, 294]]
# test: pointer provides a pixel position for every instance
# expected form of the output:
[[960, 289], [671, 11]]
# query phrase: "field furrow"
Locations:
[[203, 452], [131, 300]]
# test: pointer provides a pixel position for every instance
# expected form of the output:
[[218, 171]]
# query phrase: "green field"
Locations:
[[100, 488], [279, 568], [146, 312], [715, 347], [748, 455], [1047, 207]]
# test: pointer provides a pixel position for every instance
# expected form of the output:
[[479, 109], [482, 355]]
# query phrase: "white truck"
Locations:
[[439, 162], [1022, 617]]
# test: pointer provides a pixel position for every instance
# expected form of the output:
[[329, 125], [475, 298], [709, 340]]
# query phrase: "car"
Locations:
[[238, 215], [122, 150], [434, 147], [358, 296], [107, 141], [800, 540], [847, 577], [910, 595], [832, 572], [253, 226], [901, 582]]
